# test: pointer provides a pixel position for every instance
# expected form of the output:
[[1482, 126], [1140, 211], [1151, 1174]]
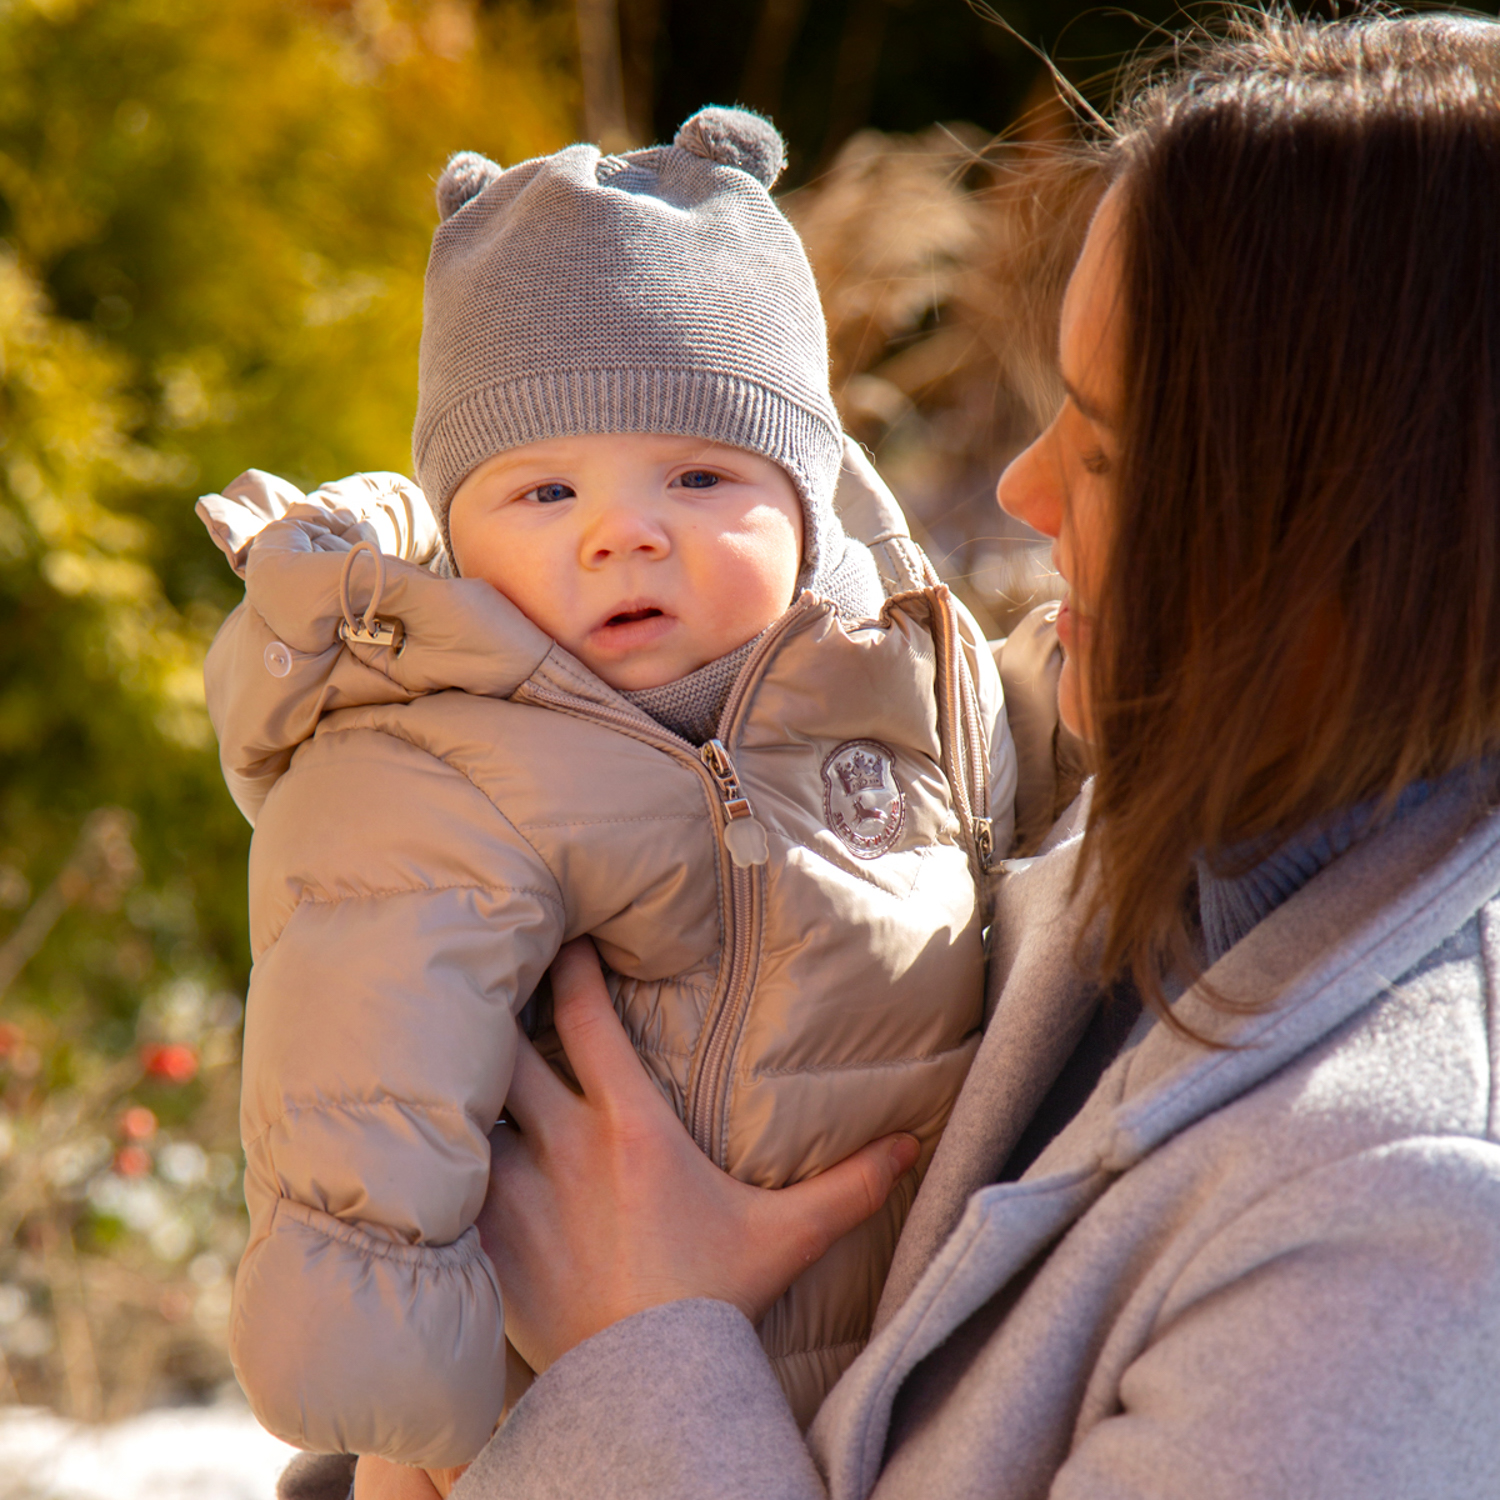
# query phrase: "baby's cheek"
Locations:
[[744, 602], [761, 566], [534, 587]]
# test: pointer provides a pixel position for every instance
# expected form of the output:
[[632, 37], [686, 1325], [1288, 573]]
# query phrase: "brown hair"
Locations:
[[1302, 606]]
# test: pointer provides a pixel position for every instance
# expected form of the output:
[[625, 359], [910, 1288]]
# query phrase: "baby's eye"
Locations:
[[549, 494], [698, 479]]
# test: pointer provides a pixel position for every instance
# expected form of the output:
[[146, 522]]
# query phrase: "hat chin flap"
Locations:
[[466, 176], [737, 138]]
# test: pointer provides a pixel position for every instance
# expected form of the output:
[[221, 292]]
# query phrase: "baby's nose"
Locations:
[[623, 528]]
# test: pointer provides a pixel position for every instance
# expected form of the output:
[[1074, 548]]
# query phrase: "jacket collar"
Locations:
[[270, 680], [1315, 962]]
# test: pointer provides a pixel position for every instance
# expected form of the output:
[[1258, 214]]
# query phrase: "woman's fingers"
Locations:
[[379, 1479], [536, 1093], [600, 1206], [805, 1220], [599, 1052]]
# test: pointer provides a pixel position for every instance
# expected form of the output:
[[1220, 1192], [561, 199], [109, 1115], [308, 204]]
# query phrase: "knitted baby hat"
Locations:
[[659, 291]]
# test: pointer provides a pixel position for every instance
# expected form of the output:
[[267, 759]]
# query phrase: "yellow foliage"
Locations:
[[66, 447]]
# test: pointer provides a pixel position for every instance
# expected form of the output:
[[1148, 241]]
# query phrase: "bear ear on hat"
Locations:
[[738, 138], [466, 176]]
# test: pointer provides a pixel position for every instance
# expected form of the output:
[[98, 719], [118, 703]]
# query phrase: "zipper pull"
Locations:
[[743, 833], [984, 841]]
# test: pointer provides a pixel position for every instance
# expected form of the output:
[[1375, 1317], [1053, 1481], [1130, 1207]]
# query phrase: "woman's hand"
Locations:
[[379, 1479], [602, 1206]]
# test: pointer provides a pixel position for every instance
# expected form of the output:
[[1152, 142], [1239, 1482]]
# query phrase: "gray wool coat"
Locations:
[[1270, 1269]]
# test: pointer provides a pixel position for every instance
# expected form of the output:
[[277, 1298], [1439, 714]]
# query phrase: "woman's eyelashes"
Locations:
[[1095, 461]]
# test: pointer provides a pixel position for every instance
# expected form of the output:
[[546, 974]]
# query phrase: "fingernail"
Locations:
[[905, 1150]]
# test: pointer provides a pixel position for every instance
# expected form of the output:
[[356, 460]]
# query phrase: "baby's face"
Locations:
[[645, 556]]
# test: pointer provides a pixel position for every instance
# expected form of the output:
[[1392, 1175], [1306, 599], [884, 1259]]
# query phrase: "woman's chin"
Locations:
[[1070, 702]]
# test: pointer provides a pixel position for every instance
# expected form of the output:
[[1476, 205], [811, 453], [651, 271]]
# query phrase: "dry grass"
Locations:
[[120, 1222], [942, 259]]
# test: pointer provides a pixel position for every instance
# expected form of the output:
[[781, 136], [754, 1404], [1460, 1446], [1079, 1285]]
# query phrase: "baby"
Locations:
[[622, 673]]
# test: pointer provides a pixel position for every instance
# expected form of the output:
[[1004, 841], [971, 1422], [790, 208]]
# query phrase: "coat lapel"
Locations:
[[1039, 1008], [1309, 967], [1314, 963]]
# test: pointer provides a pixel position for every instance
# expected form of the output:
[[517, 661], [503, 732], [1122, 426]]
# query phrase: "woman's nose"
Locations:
[[1031, 487]]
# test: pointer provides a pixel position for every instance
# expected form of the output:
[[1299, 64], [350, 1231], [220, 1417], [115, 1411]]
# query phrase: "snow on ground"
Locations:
[[186, 1453]]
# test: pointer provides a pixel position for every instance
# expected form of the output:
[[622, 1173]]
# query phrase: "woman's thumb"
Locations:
[[826, 1207]]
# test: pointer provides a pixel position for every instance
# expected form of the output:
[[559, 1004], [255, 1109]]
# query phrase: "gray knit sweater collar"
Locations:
[[693, 705], [1230, 905]]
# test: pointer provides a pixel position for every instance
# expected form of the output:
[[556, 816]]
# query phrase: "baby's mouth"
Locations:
[[635, 626]]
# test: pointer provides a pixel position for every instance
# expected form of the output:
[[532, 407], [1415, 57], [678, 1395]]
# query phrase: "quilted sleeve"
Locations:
[[398, 923]]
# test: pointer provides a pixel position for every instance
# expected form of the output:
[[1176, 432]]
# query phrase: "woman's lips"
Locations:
[[1065, 625]]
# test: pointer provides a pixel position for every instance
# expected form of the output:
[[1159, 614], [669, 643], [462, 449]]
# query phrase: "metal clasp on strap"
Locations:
[[370, 629]]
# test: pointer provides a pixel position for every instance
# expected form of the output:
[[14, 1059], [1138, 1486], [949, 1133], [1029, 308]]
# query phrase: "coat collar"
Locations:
[[1314, 962]]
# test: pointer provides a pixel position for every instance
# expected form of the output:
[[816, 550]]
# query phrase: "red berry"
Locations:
[[174, 1061], [138, 1123], [132, 1161]]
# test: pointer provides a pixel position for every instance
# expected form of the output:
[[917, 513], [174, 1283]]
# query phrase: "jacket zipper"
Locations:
[[708, 1092], [961, 704], [743, 851], [965, 763]]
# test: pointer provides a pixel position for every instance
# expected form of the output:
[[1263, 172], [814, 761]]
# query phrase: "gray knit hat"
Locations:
[[659, 291]]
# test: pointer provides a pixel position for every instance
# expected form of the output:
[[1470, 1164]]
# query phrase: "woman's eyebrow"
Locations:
[[1091, 410]]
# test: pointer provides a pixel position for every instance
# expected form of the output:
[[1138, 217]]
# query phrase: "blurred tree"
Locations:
[[825, 71], [829, 69], [213, 225]]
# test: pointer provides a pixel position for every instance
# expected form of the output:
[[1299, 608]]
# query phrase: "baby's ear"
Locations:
[[466, 176], [738, 138]]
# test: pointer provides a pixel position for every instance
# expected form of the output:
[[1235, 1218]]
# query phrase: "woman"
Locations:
[[1218, 1213]]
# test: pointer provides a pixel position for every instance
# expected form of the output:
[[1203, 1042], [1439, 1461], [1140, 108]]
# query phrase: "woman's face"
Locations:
[[1063, 485]]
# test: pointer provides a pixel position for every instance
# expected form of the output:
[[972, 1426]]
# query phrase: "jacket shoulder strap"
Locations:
[[963, 734]]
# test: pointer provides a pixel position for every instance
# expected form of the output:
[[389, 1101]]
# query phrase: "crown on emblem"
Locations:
[[860, 773]]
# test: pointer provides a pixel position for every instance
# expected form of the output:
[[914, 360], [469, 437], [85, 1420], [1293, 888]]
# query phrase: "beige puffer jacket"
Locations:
[[432, 823]]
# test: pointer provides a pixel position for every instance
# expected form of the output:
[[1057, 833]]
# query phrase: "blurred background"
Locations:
[[213, 225]]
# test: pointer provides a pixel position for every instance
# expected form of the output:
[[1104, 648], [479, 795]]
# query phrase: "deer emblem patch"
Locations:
[[861, 800]]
